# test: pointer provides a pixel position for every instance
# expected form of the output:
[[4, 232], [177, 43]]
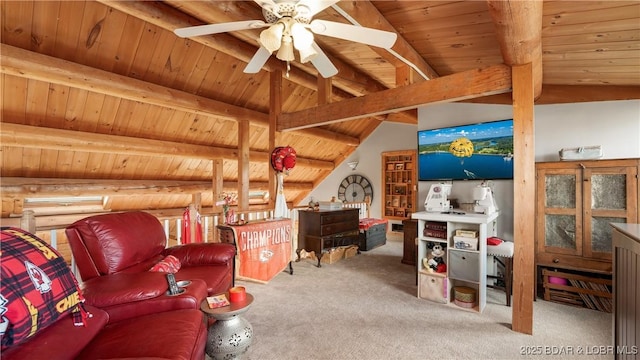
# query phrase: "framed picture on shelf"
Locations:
[[399, 166]]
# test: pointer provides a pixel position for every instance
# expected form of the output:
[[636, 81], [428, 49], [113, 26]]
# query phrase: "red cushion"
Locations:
[[170, 264], [494, 241], [175, 334]]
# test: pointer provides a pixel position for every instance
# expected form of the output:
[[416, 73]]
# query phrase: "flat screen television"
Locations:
[[481, 151]]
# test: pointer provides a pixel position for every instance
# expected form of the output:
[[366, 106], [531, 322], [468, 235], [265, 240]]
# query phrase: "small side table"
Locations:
[[231, 334]]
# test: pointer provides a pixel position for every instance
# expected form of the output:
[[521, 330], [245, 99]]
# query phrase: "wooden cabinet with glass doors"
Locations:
[[399, 197], [576, 202]]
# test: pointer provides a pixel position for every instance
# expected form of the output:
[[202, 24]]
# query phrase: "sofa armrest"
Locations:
[[190, 298], [124, 288], [203, 254]]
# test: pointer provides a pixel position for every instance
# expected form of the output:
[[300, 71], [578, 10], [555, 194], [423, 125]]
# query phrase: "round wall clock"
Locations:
[[354, 188]]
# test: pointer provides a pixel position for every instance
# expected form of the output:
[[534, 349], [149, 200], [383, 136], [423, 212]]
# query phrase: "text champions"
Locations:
[[250, 240]]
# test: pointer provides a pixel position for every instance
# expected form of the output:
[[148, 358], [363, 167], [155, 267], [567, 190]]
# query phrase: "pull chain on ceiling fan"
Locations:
[[289, 27]]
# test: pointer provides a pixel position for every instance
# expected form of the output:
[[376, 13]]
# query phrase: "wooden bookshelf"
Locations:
[[399, 198]]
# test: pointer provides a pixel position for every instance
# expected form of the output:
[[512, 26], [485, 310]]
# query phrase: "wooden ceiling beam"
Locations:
[[564, 94], [47, 187], [31, 65], [19, 187], [26, 136], [518, 26], [465, 85]]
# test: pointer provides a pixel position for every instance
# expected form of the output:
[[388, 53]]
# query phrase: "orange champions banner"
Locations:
[[264, 248]]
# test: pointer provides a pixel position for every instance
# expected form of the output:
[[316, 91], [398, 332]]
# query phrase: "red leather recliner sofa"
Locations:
[[133, 315], [114, 252], [163, 329]]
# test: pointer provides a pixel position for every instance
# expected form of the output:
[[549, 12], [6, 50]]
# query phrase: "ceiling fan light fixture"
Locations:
[[289, 27], [307, 54], [286, 50], [302, 38], [303, 13], [302, 41], [271, 38]]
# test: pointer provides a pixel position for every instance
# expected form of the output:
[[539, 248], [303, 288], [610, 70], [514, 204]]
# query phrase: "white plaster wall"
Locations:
[[387, 137], [613, 124]]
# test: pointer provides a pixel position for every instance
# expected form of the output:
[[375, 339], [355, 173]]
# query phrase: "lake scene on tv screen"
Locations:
[[467, 152]]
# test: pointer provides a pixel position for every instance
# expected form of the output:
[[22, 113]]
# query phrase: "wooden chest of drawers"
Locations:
[[322, 230]]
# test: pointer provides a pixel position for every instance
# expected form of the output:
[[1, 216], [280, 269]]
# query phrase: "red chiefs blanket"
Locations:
[[37, 287], [366, 223]]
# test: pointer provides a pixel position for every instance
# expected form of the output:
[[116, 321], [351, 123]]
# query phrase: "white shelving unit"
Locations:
[[464, 267]]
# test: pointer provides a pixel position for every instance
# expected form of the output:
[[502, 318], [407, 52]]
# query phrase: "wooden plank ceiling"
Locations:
[[105, 91]]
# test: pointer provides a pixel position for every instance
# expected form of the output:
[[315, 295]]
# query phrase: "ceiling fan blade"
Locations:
[[258, 61], [364, 35], [219, 28], [315, 6], [322, 63]]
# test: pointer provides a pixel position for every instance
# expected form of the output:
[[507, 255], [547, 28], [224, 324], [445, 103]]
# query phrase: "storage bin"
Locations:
[[467, 233], [333, 255], [464, 297], [464, 265], [434, 288], [466, 243], [350, 251]]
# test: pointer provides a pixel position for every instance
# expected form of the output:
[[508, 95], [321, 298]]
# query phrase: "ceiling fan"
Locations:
[[289, 26]]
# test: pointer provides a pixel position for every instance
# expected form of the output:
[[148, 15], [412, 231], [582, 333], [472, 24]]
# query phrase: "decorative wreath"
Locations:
[[283, 158]]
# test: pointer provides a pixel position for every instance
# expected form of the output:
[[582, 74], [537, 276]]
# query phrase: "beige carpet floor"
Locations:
[[366, 307]]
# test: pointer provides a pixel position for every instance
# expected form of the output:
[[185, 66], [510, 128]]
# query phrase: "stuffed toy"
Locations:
[[438, 254]]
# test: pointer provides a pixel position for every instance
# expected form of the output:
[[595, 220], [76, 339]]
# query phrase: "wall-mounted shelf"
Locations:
[[399, 197]]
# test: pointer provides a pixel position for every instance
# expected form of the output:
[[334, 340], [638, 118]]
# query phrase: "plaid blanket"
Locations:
[[37, 287]]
